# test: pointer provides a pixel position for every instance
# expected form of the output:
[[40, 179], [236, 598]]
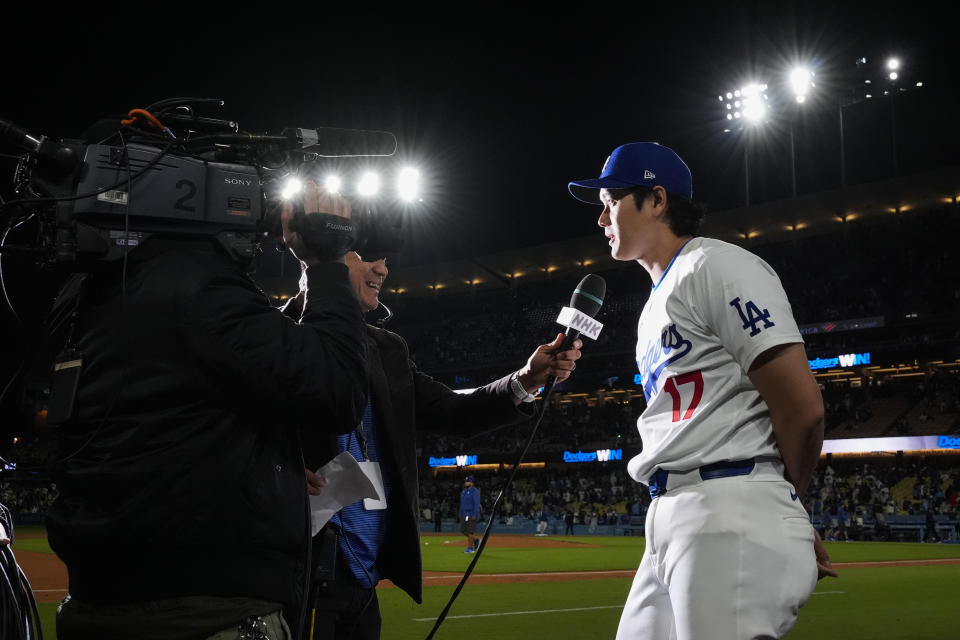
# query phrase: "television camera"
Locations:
[[166, 169]]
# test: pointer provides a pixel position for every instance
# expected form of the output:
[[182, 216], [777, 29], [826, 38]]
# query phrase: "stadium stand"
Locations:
[[881, 282]]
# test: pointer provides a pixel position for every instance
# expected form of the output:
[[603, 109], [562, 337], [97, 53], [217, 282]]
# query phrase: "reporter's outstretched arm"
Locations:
[[494, 404]]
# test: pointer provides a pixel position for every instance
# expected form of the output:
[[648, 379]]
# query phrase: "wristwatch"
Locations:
[[518, 391]]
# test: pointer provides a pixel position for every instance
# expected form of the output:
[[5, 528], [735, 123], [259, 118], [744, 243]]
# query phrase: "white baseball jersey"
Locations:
[[716, 308]]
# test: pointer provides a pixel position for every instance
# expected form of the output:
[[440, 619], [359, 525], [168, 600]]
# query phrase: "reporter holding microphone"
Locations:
[[365, 543]]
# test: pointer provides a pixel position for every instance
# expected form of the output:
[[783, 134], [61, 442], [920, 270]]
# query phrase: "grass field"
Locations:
[[865, 603]]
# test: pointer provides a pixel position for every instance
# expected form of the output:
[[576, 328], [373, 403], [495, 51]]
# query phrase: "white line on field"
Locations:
[[826, 593], [897, 562], [628, 572], [521, 613]]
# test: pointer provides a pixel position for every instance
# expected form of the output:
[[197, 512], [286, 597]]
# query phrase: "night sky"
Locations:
[[500, 108]]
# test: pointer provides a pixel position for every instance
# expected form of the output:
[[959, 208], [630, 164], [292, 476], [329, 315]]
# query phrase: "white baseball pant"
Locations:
[[726, 559]]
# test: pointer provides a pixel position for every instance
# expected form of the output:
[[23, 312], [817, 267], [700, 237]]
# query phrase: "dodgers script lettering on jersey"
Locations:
[[716, 308], [671, 347]]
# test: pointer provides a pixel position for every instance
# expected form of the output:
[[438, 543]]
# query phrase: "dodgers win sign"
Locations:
[[846, 360], [600, 455], [948, 442], [454, 461]]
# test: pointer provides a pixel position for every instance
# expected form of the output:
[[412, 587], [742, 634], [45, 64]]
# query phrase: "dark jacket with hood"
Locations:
[[181, 472]]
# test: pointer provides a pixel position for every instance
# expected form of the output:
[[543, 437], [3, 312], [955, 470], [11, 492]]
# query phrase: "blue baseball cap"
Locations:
[[638, 164], [468, 479]]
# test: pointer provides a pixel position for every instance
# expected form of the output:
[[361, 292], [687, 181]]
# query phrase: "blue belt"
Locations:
[[726, 469]]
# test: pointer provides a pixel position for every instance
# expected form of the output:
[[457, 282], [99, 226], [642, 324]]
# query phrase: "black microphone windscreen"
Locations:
[[333, 141], [588, 296]]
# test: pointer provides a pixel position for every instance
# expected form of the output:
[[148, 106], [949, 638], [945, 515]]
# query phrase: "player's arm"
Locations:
[[782, 376]]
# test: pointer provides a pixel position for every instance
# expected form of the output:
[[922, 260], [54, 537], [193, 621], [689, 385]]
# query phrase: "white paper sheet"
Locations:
[[346, 483]]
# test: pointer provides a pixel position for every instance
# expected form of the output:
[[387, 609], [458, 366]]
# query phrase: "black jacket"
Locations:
[[404, 401], [181, 473]]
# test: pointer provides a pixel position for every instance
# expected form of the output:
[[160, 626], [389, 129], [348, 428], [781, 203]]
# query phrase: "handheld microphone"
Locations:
[[585, 302]]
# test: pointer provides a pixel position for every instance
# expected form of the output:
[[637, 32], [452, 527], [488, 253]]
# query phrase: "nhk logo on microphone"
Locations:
[[575, 319]]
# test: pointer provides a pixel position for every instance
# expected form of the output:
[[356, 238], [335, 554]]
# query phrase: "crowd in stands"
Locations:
[[607, 420], [905, 266], [595, 495], [868, 269], [844, 496], [847, 495], [935, 393], [25, 487], [23, 497]]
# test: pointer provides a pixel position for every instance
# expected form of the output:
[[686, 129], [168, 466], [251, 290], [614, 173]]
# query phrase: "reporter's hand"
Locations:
[[824, 567], [315, 200], [315, 482], [548, 361]]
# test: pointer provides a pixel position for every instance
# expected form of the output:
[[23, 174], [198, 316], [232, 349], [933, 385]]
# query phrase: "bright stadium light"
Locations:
[[744, 106], [408, 184], [332, 183], [893, 75], [801, 81], [291, 187], [369, 184], [893, 64], [754, 103], [748, 103]]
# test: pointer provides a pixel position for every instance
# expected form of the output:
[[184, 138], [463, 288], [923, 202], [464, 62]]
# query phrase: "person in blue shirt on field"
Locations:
[[469, 513]]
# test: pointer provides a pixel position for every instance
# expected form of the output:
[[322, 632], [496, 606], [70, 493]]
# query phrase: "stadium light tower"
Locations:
[[745, 109], [893, 74], [890, 83], [801, 83]]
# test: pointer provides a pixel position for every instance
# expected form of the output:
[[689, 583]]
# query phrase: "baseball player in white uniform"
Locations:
[[734, 419]]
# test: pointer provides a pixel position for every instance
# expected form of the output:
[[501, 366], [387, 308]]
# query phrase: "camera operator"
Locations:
[[365, 543], [182, 510]]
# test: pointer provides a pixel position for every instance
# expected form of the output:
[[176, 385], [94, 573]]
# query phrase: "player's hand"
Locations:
[[315, 200], [824, 567], [548, 361], [315, 482]]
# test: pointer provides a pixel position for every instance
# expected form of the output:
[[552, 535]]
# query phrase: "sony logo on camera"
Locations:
[[240, 182]]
